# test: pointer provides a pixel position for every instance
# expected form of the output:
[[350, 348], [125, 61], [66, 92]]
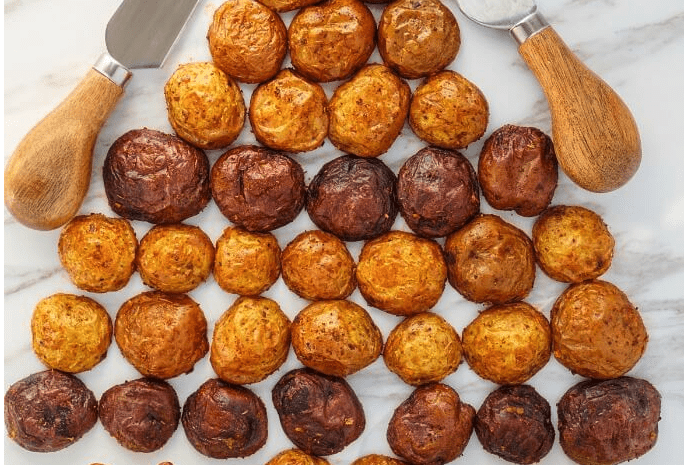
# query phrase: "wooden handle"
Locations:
[[48, 175], [595, 136]]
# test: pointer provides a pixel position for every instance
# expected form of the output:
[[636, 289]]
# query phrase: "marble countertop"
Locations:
[[637, 47]]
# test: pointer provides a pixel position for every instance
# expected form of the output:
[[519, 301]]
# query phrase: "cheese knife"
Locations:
[[595, 136], [48, 174]]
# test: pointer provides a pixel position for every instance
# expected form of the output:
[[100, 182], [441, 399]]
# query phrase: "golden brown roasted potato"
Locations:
[[251, 340], [335, 337], [70, 333], [289, 113], [597, 332], [377, 459], [204, 105], [422, 349], [417, 39], [175, 258], [508, 344], [367, 113], [98, 252], [296, 457], [572, 243], [287, 5], [247, 40], [448, 111]]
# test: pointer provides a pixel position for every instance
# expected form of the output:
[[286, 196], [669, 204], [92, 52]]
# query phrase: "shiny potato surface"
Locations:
[[490, 261], [335, 337], [175, 258], [401, 273], [246, 263], [317, 265], [331, 40], [597, 332], [449, 111], [296, 457], [508, 344], [251, 340], [204, 105], [289, 113], [70, 333], [573, 244], [287, 5], [367, 112], [377, 459], [98, 252], [161, 335], [424, 348], [247, 40], [418, 39]]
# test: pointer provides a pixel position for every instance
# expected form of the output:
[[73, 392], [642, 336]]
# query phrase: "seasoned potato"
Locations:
[[377, 459], [448, 111], [204, 105], [367, 113], [490, 260], [424, 348], [418, 39], [572, 243], [247, 40], [508, 344], [98, 252], [70, 333], [175, 258], [331, 40], [316, 265], [246, 263], [251, 340], [401, 273], [289, 113], [296, 457], [335, 337], [287, 5], [596, 330]]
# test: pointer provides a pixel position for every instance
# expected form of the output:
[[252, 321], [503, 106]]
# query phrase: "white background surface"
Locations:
[[636, 46]]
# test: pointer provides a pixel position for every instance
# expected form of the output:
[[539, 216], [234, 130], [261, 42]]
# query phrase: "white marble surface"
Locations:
[[636, 46]]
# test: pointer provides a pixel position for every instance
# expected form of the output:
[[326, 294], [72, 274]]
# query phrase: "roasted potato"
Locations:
[[98, 252], [377, 459], [335, 337], [296, 457], [251, 340], [367, 112], [70, 333], [448, 111], [289, 113], [597, 332], [204, 105], [281, 6]]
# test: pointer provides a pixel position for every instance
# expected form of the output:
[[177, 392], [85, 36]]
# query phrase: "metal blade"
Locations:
[[141, 32], [500, 14]]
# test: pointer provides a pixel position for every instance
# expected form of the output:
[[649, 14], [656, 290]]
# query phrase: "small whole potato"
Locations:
[[572, 243], [508, 344], [204, 105], [335, 337], [296, 457], [251, 340], [424, 348], [377, 459]]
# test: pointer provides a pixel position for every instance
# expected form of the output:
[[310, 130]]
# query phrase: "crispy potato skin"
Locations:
[[572, 243], [70, 333], [204, 105], [331, 40], [289, 113], [367, 113], [335, 337], [596, 330], [418, 39], [317, 265], [448, 111], [161, 335], [281, 6], [247, 40], [490, 261], [175, 258], [296, 457], [98, 252], [508, 344], [401, 273], [251, 340], [424, 348], [377, 459], [246, 263]]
